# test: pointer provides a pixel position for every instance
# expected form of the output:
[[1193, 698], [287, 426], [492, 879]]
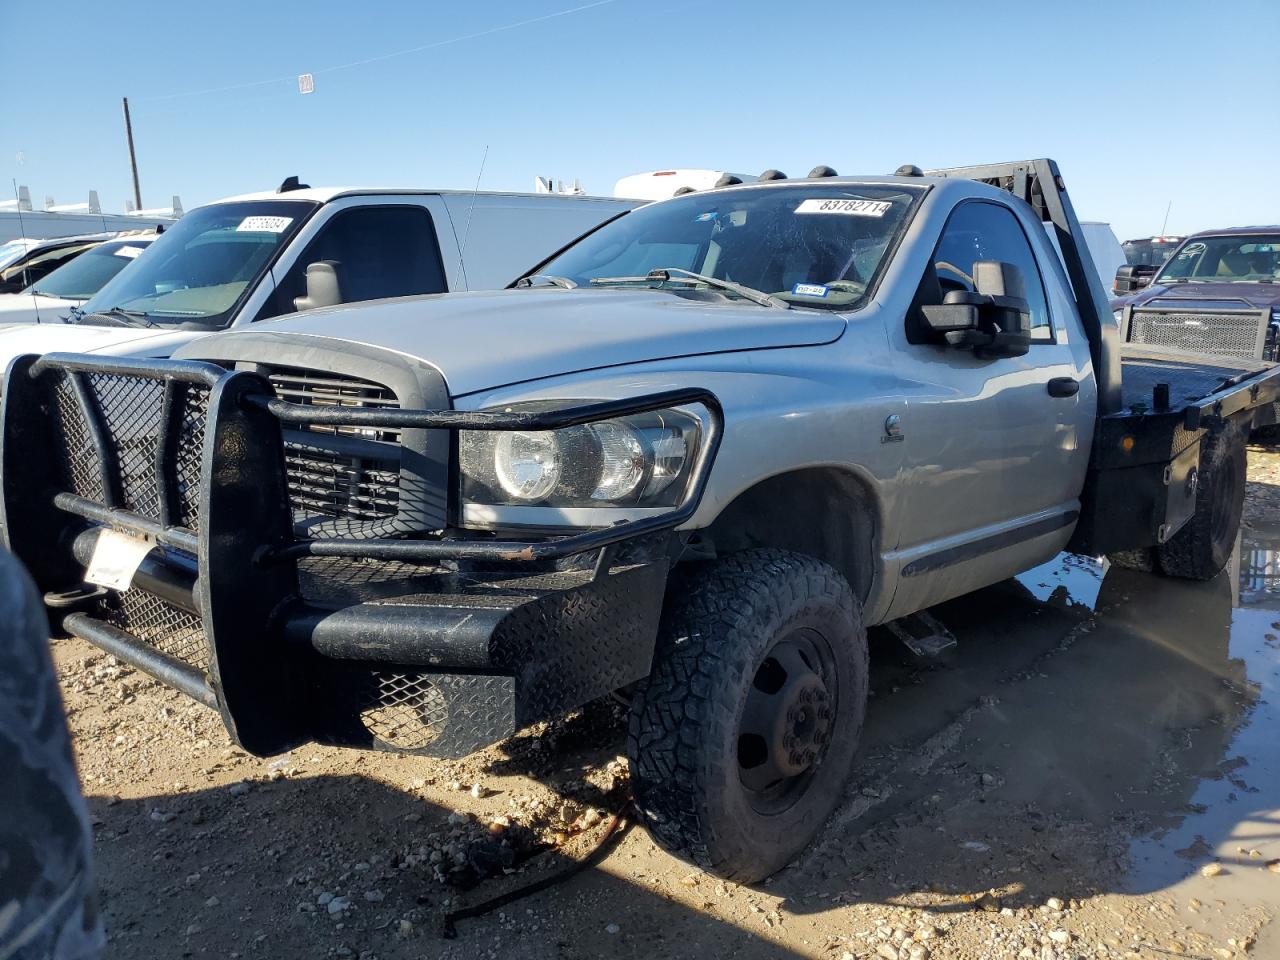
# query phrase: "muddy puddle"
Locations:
[[1082, 706], [1232, 817]]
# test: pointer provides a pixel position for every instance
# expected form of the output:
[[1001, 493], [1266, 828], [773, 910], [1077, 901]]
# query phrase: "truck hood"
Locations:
[[1253, 294], [17, 339], [491, 339]]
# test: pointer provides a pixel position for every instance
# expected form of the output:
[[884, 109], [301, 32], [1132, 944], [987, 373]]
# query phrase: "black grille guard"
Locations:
[[407, 551], [293, 639]]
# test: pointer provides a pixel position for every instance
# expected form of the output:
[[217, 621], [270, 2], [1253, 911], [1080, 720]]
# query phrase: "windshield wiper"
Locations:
[[119, 317], [546, 280], [664, 275]]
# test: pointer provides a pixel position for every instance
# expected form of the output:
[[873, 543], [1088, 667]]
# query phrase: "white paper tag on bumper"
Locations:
[[116, 558], [850, 208]]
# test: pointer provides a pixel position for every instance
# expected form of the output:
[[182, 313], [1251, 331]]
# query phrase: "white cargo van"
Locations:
[[250, 258]]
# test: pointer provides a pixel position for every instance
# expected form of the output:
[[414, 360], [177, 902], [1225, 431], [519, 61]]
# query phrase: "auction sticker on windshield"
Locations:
[[264, 224], [128, 252], [116, 558], [850, 208]]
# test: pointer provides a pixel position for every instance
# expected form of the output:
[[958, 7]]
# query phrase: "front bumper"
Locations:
[[437, 646]]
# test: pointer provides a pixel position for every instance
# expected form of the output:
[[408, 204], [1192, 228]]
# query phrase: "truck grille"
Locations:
[[1224, 334], [329, 484], [358, 479]]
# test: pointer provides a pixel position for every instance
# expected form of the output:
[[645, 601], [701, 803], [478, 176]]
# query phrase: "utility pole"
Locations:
[[133, 160]]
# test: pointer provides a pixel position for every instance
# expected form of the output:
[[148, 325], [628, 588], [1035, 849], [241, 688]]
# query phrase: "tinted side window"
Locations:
[[377, 252], [39, 266], [989, 231]]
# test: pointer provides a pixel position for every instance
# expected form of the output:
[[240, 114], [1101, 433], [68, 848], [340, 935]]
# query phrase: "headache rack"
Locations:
[[401, 640], [1220, 328]]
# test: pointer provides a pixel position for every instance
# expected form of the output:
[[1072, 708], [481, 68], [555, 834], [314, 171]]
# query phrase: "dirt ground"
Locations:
[[1091, 772]]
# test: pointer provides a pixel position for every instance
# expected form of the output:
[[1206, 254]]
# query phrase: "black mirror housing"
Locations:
[[1133, 277], [992, 321], [958, 311]]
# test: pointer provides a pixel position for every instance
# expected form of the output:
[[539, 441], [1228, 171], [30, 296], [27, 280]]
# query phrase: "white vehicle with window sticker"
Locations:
[[52, 298], [240, 261]]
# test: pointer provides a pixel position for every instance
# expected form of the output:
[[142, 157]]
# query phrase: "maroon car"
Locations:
[[1219, 293]]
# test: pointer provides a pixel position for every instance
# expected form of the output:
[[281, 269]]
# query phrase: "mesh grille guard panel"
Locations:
[[1235, 334], [120, 464], [159, 624]]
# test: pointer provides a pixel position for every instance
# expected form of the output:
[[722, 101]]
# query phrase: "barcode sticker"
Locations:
[[850, 208], [116, 558], [264, 224]]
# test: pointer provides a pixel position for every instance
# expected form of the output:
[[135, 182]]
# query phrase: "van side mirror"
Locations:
[[323, 288], [992, 321], [1133, 277]]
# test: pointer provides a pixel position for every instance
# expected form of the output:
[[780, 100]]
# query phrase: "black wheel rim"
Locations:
[[787, 720]]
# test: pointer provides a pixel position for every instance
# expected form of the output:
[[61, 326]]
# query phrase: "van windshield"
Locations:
[[86, 274], [1231, 259], [200, 269], [813, 244]]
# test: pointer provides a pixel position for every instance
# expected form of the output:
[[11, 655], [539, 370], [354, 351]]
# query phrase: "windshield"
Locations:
[[84, 276], [199, 269], [812, 244], [1252, 258]]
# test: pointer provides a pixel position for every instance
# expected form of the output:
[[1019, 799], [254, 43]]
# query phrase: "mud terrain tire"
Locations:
[[763, 640]]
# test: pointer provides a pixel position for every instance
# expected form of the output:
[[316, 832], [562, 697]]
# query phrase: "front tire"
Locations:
[[1204, 545], [743, 735]]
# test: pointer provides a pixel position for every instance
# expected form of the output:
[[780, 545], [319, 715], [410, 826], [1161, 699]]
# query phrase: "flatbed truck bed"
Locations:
[[1191, 378]]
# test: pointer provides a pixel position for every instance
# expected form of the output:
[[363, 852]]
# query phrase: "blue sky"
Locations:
[[1141, 103]]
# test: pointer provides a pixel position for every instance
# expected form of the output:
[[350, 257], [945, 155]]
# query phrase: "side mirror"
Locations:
[[993, 321], [1133, 277], [323, 288]]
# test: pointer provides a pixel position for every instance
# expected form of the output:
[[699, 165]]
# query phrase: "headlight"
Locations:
[[589, 475], [1119, 315]]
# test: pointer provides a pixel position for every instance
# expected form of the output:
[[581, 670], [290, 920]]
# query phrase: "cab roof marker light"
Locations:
[[822, 170], [772, 174]]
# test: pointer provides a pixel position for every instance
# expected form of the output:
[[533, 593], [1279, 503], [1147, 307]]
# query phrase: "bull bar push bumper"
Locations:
[[439, 645]]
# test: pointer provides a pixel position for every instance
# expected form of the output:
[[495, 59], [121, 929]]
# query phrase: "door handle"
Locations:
[[1063, 387]]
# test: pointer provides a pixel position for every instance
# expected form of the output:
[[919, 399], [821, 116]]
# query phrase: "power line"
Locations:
[[385, 56]]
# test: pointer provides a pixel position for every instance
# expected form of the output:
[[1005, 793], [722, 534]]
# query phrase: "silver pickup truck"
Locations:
[[691, 459]]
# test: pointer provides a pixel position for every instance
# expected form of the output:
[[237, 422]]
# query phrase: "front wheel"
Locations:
[[743, 735]]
